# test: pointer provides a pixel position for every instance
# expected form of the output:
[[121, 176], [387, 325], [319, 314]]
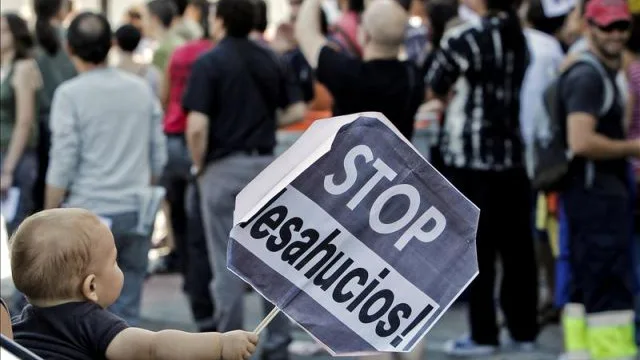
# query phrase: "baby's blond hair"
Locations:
[[51, 253]]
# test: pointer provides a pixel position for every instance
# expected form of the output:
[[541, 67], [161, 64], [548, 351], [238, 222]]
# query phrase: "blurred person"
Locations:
[[378, 82], [633, 114], [481, 145], [261, 23], [344, 32], [184, 26], [161, 16], [107, 152], [20, 89], [144, 51], [179, 182], [542, 34], [598, 321], [237, 94], [128, 39], [65, 260], [55, 67]]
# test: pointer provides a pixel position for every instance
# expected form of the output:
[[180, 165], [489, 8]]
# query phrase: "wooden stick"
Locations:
[[265, 322]]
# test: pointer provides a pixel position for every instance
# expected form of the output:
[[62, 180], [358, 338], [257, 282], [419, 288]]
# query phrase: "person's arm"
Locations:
[[165, 86], [65, 149], [26, 81], [158, 143], [197, 137], [308, 31], [199, 99], [5, 321], [450, 60], [583, 96], [292, 107], [140, 344]]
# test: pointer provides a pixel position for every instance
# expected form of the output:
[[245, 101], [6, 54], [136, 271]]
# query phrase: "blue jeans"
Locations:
[[24, 178], [133, 257]]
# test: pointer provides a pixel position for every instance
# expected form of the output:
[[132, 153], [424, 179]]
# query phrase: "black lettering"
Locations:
[[274, 245], [297, 248], [338, 293], [367, 291], [401, 310], [262, 209], [326, 283], [280, 213], [325, 246], [386, 295]]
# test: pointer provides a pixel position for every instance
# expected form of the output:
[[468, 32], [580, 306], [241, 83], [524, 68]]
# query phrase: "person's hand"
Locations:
[[238, 345], [6, 180]]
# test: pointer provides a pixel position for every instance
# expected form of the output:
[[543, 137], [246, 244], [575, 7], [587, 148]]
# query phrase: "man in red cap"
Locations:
[[599, 321]]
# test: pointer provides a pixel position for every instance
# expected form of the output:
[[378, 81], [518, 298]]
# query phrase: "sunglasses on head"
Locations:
[[618, 25]]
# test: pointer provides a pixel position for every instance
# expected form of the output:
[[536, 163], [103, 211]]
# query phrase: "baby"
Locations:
[[64, 261]]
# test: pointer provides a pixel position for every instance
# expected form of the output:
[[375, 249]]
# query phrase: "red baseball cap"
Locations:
[[606, 12]]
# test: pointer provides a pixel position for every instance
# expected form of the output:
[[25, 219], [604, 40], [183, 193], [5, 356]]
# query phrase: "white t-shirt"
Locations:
[[546, 58]]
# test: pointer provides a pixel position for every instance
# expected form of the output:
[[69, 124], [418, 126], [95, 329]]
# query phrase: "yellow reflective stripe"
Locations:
[[610, 318], [612, 342], [574, 324]]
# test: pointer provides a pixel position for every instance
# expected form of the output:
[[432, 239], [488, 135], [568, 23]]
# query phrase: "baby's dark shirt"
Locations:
[[71, 331]]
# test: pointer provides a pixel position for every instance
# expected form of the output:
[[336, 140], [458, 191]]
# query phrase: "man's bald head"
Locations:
[[89, 37], [385, 21], [51, 253]]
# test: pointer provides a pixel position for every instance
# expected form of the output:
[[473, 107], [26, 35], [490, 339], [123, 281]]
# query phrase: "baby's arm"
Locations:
[[140, 344]]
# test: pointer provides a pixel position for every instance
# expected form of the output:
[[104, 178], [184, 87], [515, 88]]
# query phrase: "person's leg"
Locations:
[[218, 187], [44, 144], [24, 178], [482, 306], [602, 270], [198, 270], [133, 257], [512, 232]]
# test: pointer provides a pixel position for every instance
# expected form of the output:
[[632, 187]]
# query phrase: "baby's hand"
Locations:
[[238, 345]]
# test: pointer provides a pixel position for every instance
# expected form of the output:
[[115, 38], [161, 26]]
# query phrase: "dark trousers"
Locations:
[[600, 243], [504, 232], [44, 144], [198, 274]]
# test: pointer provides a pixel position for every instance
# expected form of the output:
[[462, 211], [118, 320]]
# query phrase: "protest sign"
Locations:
[[354, 236]]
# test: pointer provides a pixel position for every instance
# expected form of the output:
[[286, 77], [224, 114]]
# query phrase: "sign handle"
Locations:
[[263, 324]]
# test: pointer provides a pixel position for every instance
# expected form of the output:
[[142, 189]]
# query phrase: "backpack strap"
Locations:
[[609, 87], [607, 104]]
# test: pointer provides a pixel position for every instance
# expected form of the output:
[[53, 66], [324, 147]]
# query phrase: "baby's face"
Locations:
[[109, 277]]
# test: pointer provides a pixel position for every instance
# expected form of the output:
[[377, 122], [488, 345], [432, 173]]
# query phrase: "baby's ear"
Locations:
[[89, 288]]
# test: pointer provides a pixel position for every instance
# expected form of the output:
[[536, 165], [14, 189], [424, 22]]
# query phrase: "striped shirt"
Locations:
[[634, 91], [484, 63]]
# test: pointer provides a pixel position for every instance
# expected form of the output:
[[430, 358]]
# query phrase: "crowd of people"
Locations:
[[90, 121]]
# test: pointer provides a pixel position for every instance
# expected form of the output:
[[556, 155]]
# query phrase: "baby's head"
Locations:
[[65, 255]]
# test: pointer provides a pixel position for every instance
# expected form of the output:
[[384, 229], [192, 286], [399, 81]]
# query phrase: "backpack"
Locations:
[[548, 156]]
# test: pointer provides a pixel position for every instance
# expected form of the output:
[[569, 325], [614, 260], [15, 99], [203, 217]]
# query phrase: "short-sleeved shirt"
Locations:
[[166, 46], [394, 88], [175, 119], [583, 92], [71, 331], [239, 85]]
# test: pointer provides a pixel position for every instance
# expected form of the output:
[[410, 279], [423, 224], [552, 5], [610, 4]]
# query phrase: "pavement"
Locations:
[[165, 307]]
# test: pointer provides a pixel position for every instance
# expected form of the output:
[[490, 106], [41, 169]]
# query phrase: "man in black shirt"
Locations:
[[379, 81], [483, 63], [597, 199], [232, 98]]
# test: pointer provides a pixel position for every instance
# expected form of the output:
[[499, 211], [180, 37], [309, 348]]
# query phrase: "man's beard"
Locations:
[[617, 55]]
